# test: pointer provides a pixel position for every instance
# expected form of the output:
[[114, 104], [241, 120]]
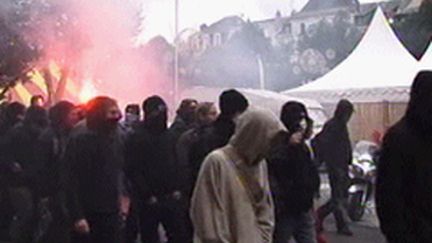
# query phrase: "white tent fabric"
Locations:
[[260, 98], [426, 61], [379, 62]]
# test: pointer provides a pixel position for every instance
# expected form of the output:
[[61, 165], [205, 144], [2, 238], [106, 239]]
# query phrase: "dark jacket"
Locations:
[[150, 163], [51, 147], [404, 182], [94, 165], [219, 133], [19, 146], [294, 179], [179, 127], [403, 190], [191, 150], [332, 145]]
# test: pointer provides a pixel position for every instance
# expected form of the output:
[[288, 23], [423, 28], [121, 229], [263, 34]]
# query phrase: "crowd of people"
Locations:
[[74, 173]]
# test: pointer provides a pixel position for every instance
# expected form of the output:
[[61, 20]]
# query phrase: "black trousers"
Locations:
[[104, 228], [171, 213], [339, 184]]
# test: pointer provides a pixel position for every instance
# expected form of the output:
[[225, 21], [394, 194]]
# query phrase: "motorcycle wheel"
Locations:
[[356, 209]]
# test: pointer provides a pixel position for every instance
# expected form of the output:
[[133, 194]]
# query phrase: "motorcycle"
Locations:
[[362, 174]]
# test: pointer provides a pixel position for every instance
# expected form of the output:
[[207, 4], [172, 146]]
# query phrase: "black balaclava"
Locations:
[[232, 102], [155, 114], [344, 110], [292, 115], [419, 112], [96, 114], [58, 114]]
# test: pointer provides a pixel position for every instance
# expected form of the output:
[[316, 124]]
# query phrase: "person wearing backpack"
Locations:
[[294, 179]]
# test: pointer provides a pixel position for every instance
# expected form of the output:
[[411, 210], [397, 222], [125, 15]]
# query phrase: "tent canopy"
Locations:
[[426, 61], [260, 98], [380, 62]]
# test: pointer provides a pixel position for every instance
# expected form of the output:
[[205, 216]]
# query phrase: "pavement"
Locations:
[[365, 231]]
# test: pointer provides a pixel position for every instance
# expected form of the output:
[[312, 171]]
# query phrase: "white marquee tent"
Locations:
[[259, 98], [380, 68], [426, 61]]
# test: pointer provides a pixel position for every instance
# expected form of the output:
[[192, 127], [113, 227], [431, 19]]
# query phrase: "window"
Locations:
[[217, 39], [302, 29]]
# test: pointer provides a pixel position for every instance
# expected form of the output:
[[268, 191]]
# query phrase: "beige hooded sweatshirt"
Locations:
[[231, 202]]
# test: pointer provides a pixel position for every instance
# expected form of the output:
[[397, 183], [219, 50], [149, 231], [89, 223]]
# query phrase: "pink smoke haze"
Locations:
[[99, 48]]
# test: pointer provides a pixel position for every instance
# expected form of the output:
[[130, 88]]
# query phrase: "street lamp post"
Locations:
[[176, 54]]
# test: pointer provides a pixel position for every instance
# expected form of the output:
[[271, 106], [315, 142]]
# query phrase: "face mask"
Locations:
[[131, 118]]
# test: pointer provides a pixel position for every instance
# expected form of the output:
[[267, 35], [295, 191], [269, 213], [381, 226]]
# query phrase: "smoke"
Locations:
[[94, 40]]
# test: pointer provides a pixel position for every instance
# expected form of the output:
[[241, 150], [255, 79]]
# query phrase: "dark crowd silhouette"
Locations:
[[220, 173]]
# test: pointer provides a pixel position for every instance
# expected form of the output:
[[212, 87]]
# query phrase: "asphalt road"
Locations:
[[365, 231]]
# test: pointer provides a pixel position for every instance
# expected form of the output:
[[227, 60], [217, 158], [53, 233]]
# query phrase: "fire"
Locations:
[[88, 91]]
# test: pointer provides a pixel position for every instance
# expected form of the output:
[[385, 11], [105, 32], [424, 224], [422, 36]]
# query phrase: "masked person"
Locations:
[[232, 200], [185, 118], [231, 104], [11, 116], [18, 154], [294, 178], [51, 147], [155, 175], [132, 117], [403, 190], [333, 147], [94, 163]]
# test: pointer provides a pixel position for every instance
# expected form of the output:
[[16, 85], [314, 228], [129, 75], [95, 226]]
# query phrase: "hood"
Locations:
[[255, 130], [344, 110], [419, 112], [155, 114], [96, 111], [12, 114], [58, 114], [36, 117]]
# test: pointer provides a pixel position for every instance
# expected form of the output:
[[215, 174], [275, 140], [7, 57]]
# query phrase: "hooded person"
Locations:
[[232, 200], [18, 154], [155, 175], [94, 167], [12, 115], [231, 104], [185, 118], [403, 189], [51, 146], [294, 179], [333, 147]]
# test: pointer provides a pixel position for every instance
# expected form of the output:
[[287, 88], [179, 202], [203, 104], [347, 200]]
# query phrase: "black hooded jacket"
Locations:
[[19, 146], [94, 165], [332, 145], [294, 179], [403, 190], [51, 147], [151, 165]]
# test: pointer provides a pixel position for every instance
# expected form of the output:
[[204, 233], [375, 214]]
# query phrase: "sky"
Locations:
[[158, 15]]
